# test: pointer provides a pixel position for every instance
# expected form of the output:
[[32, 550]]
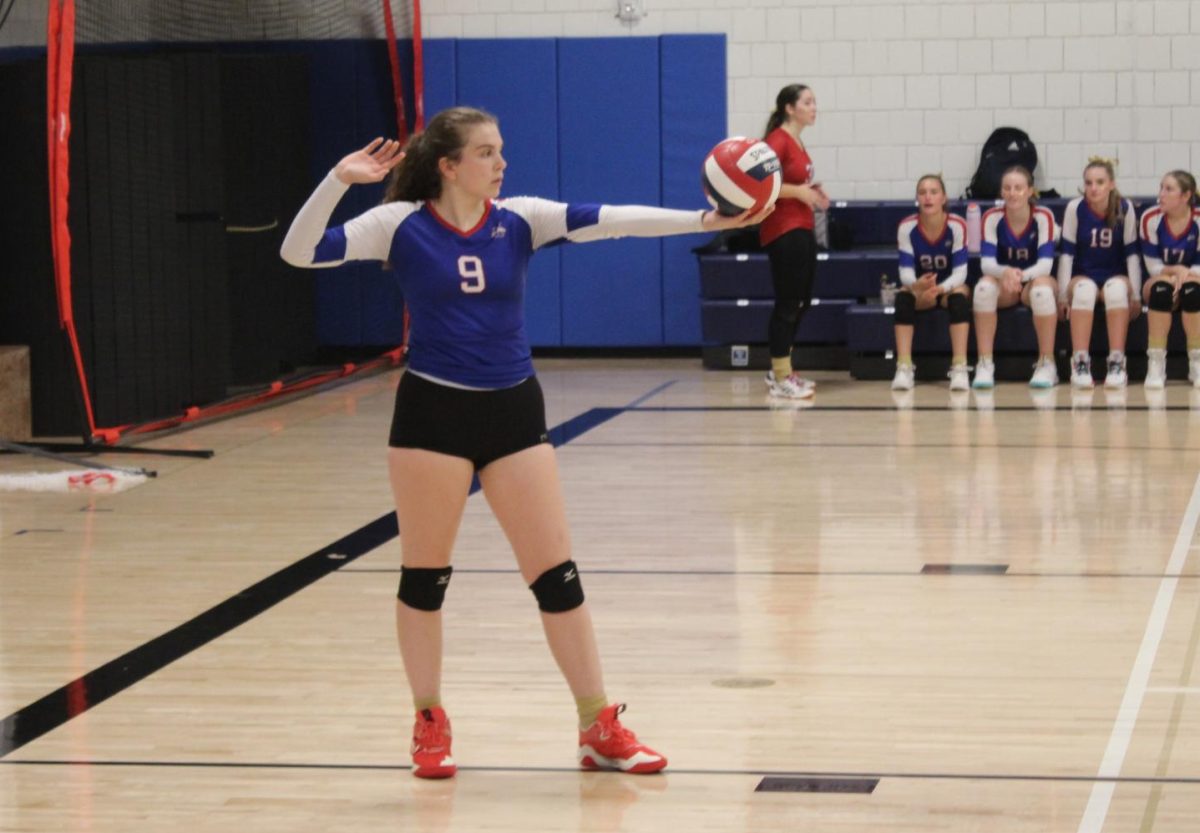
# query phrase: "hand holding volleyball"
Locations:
[[741, 175], [370, 164]]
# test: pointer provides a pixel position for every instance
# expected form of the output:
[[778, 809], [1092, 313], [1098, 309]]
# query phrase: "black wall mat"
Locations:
[[172, 309]]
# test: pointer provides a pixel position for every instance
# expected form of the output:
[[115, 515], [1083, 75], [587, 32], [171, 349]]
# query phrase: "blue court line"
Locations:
[[76, 697], [651, 394]]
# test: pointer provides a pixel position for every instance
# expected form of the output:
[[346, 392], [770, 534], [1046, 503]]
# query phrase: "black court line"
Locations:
[[921, 574], [79, 695], [770, 773]]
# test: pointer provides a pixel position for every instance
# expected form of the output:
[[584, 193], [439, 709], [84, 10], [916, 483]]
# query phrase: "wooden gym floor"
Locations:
[[922, 613]]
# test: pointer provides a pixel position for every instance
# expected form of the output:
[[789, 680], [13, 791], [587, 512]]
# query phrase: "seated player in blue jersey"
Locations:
[[1169, 234], [933, 273], [469, 402], [1099, 257], [1017, 257]]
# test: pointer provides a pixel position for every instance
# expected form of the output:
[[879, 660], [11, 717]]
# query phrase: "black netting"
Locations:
[[127, 21]]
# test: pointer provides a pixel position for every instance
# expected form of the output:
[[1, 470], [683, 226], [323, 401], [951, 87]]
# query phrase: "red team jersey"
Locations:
[[797, 169]]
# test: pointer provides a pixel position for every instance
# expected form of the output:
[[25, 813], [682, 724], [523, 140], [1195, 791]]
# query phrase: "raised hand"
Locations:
[[370, 164]]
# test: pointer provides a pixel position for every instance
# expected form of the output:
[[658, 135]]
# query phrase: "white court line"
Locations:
[[1118, 743], [1172, 690]]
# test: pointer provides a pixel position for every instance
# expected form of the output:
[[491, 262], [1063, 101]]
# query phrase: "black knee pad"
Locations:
[[906, 308], [787, 313], [960, 308], [1162, 297], [558, 589], [424, 588], [1189, 297]]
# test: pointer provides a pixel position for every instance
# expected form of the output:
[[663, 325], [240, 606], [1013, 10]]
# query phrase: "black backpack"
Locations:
[[1007, 146]]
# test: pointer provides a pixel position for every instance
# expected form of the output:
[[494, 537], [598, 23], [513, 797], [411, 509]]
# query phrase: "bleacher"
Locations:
[[848, 327]]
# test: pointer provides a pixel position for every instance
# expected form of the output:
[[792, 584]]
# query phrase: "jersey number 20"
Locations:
[[471, 270]]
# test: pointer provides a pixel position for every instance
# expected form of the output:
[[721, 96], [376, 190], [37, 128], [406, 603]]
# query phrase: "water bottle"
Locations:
[[974, 228]]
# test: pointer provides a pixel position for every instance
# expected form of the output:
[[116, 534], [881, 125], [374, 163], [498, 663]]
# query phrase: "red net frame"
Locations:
[[60, 59]]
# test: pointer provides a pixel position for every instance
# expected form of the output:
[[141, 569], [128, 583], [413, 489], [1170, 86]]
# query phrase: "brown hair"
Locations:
[[1025, 172], [1112, 212], [788, 95], [418, 176], [1186, 183]]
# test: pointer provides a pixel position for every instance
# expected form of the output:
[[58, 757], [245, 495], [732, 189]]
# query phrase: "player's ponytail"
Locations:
[[418, 177], [788, 95]]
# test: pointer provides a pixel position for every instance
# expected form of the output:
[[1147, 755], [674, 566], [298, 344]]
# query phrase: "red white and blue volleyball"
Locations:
[[741, 174]]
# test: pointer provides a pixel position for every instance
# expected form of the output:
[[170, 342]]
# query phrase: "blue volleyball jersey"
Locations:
[[944, 254], [1092, 249], [1163, 247], [1031, 249], [465, 290]]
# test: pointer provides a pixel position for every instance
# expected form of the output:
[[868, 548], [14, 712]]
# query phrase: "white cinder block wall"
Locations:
[[903, 87]]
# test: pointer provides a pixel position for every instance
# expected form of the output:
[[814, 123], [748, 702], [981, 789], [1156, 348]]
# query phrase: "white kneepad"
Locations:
[[1083, 297], [1116, 294], [1041, 300], [987, 294]]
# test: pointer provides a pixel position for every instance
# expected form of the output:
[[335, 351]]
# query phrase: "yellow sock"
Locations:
[[904, 359], [957, 360], [589, 709], [1159, 343], [1194, 342], [982, 358], [423, 703], [782, 367]]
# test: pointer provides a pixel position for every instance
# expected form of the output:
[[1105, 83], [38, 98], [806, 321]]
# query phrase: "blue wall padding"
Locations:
[[693, 106], [609, 152], [516, 79]]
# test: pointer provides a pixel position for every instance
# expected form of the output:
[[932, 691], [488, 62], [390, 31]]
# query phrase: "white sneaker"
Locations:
[[1194, 367], [793, 387], [1081, 371], [1116, 377], [985, 375], [1156, 369], [905, 377], [960, 377], [1045, 373]]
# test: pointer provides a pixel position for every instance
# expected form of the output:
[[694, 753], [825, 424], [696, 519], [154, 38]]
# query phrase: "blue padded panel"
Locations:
[[847, 275], [745, 322], [441, 82], [524, 96], [693, 107], [608, 150]]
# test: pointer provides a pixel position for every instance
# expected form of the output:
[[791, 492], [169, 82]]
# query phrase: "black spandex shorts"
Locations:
[[478, 425]]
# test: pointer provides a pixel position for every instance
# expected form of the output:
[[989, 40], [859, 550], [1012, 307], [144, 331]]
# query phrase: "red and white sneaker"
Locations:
[[431, 745], [606, 744]]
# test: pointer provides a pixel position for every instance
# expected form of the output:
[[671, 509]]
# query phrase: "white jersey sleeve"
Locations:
[[367, 237], [552, 222]]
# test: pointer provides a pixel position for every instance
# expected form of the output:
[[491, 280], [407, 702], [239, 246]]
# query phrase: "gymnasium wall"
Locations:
[[904, 87]]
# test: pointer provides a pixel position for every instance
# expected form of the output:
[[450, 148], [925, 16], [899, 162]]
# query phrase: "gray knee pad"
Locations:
[[906, 308], [1162, 297], [1083, 296], [1041, 300], [424, 588], [1189, 297], [558, 589], [960, 308]]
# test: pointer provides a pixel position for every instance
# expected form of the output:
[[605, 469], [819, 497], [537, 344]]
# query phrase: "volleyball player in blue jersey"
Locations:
[[470, 402], [933, 272], [1170, 234], [1099, 255], [1016, 258]]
